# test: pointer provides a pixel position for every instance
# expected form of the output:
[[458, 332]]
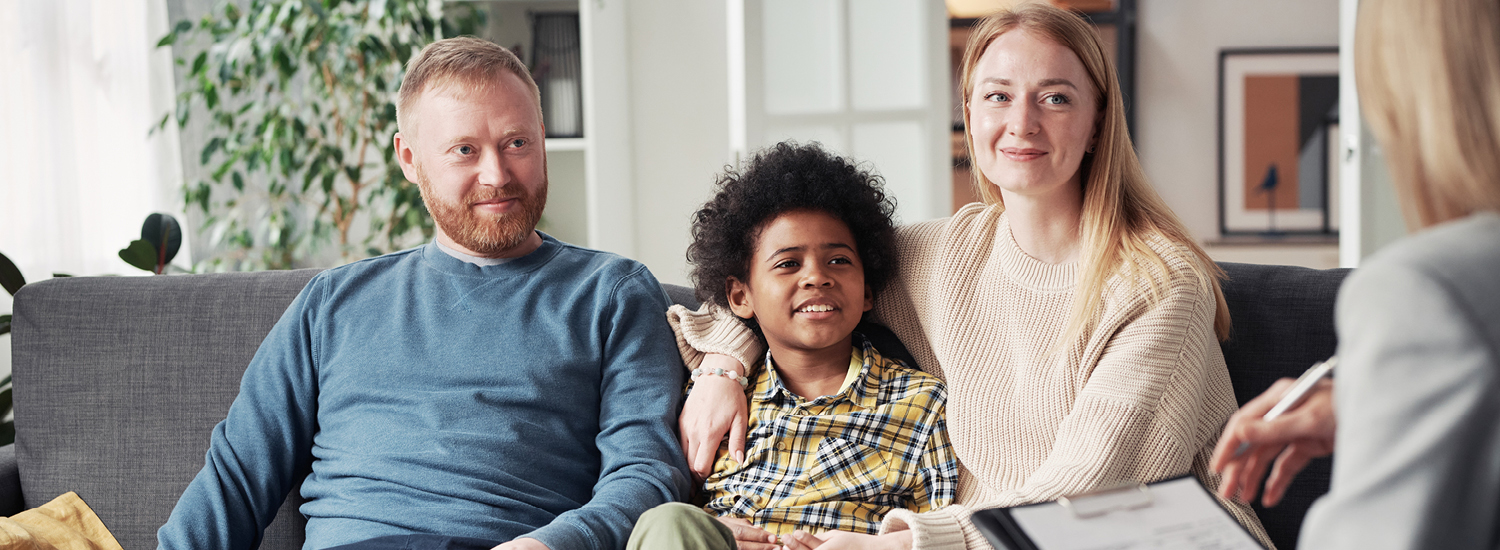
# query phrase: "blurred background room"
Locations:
[[264, 126]]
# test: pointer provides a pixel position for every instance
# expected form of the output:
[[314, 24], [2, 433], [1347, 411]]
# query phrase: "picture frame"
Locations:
[[1278, 141]]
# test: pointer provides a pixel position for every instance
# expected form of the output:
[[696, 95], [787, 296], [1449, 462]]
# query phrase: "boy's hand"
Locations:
[[522, 544], [842, 540], [749, 537], [716, 406]]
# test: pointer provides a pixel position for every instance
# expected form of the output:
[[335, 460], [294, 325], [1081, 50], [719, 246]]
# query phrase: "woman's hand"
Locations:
[[842, 540], [716, 406], [1290, 441], [749, 537]]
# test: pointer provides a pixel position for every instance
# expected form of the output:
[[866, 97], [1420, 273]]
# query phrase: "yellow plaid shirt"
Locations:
[[838, 462]]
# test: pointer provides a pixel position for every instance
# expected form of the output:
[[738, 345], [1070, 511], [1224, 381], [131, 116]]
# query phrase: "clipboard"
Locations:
[[1176, 514]]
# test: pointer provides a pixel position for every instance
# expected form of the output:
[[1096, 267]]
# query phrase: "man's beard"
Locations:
[[483, 234]]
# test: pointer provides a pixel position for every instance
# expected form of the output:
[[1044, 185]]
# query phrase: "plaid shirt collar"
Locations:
[[861, 392]]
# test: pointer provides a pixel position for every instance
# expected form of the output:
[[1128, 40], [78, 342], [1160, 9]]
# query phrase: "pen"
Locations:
[[1295, 395]]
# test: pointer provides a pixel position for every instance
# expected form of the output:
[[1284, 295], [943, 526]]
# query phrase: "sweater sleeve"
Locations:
[[256, 453], [1136, 416], [641, 462], [712, 330]]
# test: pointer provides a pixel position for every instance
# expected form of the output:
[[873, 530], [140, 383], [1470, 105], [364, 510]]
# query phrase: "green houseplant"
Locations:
[[300, 100], [11, 280]]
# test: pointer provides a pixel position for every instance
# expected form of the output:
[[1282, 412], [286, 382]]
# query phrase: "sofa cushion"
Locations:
[[1282, 324], [120, 380]]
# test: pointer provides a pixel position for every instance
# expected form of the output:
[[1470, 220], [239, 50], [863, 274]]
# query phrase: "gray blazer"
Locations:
[[1417, 455]]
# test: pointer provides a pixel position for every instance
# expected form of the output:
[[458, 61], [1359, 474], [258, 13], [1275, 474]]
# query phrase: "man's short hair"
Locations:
[[470, 63]]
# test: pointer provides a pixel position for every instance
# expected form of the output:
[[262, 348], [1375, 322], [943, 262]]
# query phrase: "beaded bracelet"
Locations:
[[699, 372]]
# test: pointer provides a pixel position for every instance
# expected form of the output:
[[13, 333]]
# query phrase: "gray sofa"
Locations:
[[119, 381]]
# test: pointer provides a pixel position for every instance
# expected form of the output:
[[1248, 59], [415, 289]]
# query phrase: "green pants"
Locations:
[[678, 526]]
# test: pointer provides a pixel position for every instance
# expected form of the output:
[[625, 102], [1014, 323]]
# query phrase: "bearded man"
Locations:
[[493, 388]]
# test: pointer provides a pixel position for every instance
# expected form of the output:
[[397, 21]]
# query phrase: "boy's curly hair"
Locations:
[[779, 179]]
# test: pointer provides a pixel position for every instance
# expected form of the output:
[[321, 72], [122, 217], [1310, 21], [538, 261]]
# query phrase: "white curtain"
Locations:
[[81, 84]]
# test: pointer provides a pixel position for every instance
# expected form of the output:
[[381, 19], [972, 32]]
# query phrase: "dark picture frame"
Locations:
[[1278, 130]]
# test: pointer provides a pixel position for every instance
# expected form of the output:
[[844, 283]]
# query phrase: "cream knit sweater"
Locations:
[[1142, 395]]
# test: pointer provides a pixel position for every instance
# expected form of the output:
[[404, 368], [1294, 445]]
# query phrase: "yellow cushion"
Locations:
[[66, 523]]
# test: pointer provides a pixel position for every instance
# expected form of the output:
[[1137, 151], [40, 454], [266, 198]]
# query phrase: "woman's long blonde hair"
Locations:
[[1121, 211], [1428, 73]]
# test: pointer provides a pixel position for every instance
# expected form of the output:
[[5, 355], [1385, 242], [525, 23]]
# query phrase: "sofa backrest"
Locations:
[[120, 380], [1282, 323]]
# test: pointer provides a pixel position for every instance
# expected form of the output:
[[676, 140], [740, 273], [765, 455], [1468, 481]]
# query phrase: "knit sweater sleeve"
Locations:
[[1135, 417], [712, 330]]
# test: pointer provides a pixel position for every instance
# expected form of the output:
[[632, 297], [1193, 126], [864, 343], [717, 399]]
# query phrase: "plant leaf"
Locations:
[[165, 236], [6, 400], [171, 37], [140, 254], [10, 276], [208, 150]]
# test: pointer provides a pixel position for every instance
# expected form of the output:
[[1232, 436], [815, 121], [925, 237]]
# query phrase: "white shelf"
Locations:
[[565, 144]]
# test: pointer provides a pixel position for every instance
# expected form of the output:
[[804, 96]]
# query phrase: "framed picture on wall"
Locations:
[[1278, 137]]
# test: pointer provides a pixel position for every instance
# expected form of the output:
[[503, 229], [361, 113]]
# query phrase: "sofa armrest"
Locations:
[[11, 502]]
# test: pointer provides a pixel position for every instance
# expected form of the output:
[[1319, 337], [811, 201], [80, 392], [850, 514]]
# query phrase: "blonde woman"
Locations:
[[1418, 391], [1076, 323]]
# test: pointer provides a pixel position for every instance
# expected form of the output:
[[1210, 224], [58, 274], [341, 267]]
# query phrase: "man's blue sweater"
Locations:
[[426, 394]]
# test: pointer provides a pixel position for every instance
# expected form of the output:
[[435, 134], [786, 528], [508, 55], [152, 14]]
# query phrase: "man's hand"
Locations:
[[1290, 441], [522, 544], [842, 540], [749, 537], [716, 406]]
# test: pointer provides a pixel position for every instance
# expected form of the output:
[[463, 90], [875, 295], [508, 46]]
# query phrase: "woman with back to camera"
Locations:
[[1075, 321], [1417, 396]]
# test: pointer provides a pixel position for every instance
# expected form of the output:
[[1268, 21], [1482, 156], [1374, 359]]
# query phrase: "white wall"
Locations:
[[85, 83], [680, 123], [679, 82], [1177, 100]]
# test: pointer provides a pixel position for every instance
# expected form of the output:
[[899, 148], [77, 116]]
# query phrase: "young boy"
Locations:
[[797, 245]]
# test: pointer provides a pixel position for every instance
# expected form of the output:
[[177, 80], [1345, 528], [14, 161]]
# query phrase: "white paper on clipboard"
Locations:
[[1178, 514]]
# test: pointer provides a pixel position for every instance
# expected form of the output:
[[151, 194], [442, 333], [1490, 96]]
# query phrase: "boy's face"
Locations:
[[807, 283]]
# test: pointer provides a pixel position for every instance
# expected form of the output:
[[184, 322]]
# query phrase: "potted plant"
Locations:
[[300, 97]]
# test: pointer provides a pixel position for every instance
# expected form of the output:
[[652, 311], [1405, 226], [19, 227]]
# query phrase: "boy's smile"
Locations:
[[806, 289]]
